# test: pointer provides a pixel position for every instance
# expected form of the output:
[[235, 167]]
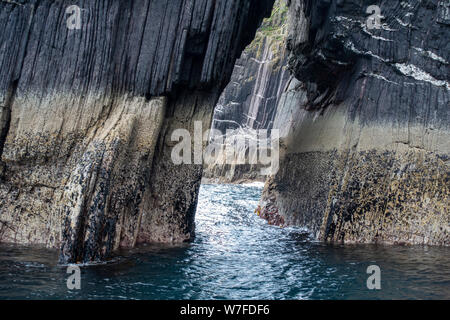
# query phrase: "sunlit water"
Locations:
[[235, 255]]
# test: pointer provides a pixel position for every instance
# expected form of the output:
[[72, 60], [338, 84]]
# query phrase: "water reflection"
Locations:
[[235, 255]]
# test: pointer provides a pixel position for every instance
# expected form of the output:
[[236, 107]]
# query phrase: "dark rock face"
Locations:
[[86, 115], [250, 100], [366, 123]]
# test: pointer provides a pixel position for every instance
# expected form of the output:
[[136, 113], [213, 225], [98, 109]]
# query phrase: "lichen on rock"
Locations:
[[85, 114], [365, 124]]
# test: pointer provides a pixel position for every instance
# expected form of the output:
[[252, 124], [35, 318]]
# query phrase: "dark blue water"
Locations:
[[235, 255]]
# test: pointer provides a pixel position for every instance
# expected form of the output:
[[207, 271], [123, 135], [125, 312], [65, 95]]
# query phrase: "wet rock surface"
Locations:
[[250, 100], [86, 117], [86, 113], [366, 123]]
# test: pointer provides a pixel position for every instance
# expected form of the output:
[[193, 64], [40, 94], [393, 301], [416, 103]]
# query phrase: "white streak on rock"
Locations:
[[420, 75], [351, 46], [381, 78], [431, 55], [404, 24]]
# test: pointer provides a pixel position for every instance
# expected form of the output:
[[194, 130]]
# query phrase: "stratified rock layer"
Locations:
[[250, 100], [366, 124], [86, 116]]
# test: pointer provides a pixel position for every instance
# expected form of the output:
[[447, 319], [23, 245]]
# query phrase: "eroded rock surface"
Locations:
[[86, 116], [250, 100], [366, 123]]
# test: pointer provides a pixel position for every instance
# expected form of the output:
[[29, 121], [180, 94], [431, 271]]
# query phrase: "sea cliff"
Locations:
[[365, 123], [90, 92]]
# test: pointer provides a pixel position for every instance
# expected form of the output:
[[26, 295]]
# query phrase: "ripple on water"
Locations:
[[235, 255]]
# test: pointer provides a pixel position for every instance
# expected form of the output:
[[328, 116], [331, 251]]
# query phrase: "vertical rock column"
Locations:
[[249, 101], [89, 91], [366, 123]]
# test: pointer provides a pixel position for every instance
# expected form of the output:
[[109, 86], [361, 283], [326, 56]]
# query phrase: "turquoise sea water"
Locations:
[[235, 255]]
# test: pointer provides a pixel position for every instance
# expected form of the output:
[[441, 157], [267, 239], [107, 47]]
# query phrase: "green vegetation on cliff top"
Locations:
[[273, 29]]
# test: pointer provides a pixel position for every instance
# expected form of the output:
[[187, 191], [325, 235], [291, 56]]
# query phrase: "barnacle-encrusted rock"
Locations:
[[90, 92], [366, 123]]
